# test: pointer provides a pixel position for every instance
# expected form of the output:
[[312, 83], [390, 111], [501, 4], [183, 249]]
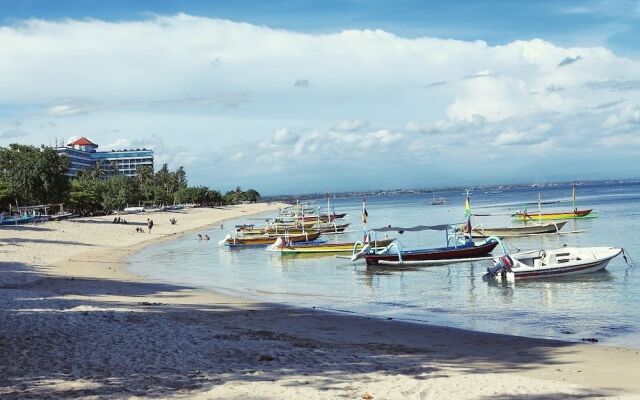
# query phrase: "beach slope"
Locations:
[[75, 323]]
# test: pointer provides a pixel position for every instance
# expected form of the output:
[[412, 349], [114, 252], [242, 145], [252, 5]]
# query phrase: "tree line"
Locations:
[[31, 176]]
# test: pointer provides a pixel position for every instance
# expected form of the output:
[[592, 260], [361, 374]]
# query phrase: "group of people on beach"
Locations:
[[119, 220], [203, 237]]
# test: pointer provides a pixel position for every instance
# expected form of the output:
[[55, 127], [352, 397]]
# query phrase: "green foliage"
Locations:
[[119, 192], [31, 175], [239, 196], [85, 195]]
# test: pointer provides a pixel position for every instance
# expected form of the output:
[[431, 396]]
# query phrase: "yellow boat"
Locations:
[[263, 240], [325, 248], [282, 231], [525, 216]]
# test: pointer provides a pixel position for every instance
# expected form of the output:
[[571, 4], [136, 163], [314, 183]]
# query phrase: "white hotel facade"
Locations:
[[83, 155]]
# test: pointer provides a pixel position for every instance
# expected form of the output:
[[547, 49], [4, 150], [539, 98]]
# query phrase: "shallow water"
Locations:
[[602, 305]]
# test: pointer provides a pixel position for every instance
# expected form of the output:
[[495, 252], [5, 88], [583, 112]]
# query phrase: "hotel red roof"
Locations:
[[83, 141]]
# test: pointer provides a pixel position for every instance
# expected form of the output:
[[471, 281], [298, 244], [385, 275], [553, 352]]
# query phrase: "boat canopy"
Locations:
[[418, 228]]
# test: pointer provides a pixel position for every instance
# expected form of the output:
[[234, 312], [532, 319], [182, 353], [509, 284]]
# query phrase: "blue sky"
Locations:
[[298, 96]]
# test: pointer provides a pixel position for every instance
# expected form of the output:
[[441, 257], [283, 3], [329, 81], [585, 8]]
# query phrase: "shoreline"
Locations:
[[84, 326]]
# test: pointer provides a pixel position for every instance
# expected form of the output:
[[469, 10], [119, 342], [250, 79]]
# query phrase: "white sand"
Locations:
[[73, 323]]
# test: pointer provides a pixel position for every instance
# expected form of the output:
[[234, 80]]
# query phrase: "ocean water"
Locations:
[[604, 305]]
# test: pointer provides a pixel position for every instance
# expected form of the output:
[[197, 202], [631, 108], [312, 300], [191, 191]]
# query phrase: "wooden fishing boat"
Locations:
[[265, 240], [552, 263], [457, 247], [16, 220], [280, 230], [466, 251], [539, 216], [323, 248], [312, 218], [527, 216], [480, 231]]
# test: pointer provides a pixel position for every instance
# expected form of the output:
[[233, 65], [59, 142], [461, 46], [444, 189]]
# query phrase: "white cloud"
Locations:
[[284, 136], [207, 92], [350, 125]]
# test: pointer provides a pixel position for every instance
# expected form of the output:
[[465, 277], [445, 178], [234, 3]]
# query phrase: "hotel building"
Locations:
[[83, 155]]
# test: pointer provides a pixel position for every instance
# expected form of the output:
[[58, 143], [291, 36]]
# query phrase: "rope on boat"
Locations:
[[625, 254]]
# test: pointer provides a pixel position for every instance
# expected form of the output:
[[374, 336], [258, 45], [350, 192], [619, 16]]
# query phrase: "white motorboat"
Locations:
[[552, 263]]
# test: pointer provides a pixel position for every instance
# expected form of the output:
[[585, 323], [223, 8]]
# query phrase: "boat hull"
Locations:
[[562, 271], [519, 230], [17, 221], [565, 262], [267, 240], [550, 216], [328, 248], [445, 253]]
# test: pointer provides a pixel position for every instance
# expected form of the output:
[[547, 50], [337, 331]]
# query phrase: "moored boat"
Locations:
[[527, 216], [324, 248], [264, 240], [552, 263], [466, 250], [457, 247], [281, 230], [479, 231]]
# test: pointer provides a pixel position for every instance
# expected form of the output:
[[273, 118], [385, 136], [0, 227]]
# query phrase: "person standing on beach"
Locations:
[[149, 224]]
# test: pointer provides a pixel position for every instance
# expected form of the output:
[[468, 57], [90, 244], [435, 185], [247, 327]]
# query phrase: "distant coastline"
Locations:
[[444, 189]]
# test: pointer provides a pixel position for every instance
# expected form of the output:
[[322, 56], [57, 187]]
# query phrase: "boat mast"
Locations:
[[364, 218], [467, 212], [329, 219], [574, 198], [539, 210]]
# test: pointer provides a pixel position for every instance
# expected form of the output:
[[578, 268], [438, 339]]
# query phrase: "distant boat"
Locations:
[[537, 216], [552, 263], [133, 210], [440, 201], [527, 216], [550, 227]]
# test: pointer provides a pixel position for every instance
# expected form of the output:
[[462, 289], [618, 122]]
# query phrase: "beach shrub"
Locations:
[[30, 175]]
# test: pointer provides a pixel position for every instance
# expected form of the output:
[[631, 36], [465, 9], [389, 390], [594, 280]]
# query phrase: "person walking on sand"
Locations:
[[149, 224]]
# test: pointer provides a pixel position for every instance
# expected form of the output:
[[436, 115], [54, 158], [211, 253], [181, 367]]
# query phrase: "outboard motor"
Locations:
[[501, 265]]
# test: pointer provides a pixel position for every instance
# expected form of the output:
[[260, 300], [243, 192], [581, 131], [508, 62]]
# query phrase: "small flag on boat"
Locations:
[[467, 207], [365, 214]]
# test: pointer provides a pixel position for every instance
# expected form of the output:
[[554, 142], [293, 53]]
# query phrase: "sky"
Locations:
[[294, 96]]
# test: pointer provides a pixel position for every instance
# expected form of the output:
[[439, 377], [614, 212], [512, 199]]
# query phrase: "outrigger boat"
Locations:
[[457, 248], [575, 214], [552, 263], [526, 216], [284, 248], [265, 240], [311, 218], [16, 220], [281, 230], [479, 231]]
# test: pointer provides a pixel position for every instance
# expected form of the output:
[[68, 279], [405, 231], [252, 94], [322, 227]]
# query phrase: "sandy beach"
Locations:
[[75, 323]]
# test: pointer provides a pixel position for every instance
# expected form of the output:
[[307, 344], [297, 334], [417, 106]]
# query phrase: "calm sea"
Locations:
[[602, 305]]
